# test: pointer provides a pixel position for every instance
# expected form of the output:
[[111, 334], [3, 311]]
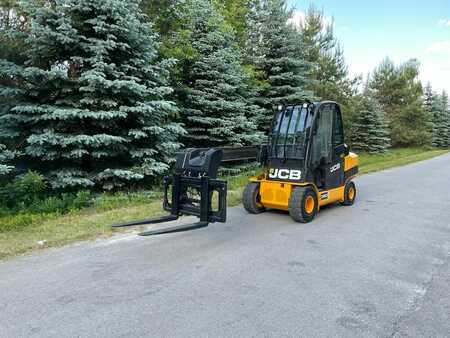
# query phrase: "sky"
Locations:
[[371, 30]]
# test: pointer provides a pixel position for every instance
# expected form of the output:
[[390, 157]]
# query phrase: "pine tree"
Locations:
[[215, 96], [400, 93], [328, 70], [371, 132], [235, 12], [274, 51], [91, 102], [161, 13], [323, 52]]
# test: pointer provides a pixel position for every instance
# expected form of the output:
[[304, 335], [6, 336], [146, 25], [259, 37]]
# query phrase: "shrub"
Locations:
[[23, 191], [29, 188], [63, 203], [29, 194], [81, 200]]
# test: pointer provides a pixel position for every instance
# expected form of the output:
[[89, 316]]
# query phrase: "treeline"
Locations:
[[100, 94]]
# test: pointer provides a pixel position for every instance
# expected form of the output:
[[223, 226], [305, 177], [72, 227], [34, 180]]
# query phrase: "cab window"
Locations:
[[338, 128], [322, 141]]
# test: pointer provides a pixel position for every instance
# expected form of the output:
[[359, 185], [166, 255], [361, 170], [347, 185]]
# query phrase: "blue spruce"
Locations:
[[215, 92], [371, 129], [274, 49], [90, 107]]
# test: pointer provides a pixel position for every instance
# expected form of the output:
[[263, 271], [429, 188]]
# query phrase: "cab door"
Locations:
[[328, 147], [337, 167]]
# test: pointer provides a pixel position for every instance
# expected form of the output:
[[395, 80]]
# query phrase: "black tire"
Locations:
[[299, 203], [251, 199], [349, 194]]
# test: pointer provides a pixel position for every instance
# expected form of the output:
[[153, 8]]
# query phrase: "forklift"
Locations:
[[306, 165]]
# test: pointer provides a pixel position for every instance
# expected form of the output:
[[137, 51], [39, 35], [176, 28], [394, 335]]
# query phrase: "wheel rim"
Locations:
[[351, 193], [309, 204]]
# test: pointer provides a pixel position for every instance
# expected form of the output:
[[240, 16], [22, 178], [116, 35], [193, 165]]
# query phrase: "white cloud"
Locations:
[[444, 22], [435, 65], [439, 47], [436, 73]]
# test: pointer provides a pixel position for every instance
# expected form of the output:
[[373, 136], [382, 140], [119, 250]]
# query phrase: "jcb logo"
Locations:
[[285, 174], [335, 167]]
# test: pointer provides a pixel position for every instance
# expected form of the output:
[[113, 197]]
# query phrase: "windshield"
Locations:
[[288, 132]]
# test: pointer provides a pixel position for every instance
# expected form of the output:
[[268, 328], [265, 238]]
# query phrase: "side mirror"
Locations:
[[346, 150]]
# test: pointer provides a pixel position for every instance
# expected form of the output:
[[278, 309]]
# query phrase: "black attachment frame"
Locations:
[[180, 203], [196, 171]]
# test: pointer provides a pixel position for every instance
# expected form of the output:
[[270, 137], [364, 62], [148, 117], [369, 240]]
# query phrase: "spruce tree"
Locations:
[[92, 100], [434, 107], [274, 51], [215, 94], [447, 114], [5, 157], [440, 120], [444, 125], [13, 25], [371, 132], [428, 99]]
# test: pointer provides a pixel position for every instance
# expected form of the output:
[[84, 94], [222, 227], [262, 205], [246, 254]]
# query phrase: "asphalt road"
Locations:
[[378, 269]]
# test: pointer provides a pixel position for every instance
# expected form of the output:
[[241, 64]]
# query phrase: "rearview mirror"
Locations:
[[346, 150]]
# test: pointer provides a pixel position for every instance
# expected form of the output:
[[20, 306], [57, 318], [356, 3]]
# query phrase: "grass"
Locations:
[[395, 158], [54, 230]]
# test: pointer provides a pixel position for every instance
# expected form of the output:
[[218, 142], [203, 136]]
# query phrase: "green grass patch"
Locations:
[[24, 232], [395, 158]]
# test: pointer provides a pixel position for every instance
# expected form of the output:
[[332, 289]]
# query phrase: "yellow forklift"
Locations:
[[306, 165]]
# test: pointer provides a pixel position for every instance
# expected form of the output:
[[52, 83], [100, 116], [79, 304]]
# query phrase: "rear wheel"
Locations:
[[349, 194], [251, 199], [303, 204]]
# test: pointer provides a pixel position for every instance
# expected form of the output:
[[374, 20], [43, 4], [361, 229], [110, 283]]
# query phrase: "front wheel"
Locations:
[[349, 194], [303, 204], [251, 199]]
